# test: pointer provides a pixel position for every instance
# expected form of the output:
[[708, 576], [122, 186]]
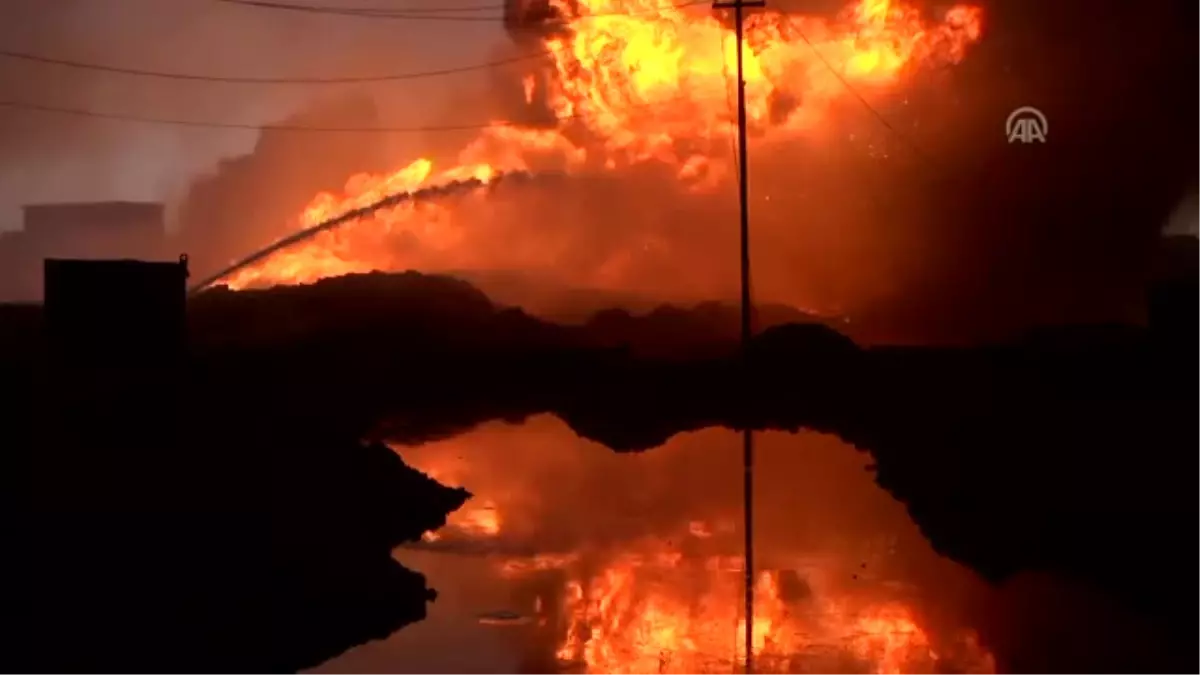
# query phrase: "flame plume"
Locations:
[[632, 84]]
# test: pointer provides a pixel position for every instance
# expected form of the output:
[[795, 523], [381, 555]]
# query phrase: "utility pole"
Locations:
[[739, 7]]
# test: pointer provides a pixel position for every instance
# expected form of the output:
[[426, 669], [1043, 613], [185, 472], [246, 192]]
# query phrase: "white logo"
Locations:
[[1026, 125]]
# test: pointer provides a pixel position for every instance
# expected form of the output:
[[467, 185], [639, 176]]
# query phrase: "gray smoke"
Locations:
[[46, 157]]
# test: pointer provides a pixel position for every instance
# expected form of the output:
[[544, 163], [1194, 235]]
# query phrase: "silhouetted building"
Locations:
[[115, 312], [86, 230]]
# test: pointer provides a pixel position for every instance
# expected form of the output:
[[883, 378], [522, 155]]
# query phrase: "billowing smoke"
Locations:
[[47, 157], [906, 209], [909, 211], [252, 199]]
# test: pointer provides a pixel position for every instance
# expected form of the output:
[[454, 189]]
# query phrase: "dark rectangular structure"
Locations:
[[115, 312]]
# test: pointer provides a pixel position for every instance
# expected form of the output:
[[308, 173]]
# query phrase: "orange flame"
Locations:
[[673, 601], [631, 82], [656, 610]]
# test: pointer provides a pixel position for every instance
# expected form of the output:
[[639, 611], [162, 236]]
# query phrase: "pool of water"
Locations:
[[573, 558]]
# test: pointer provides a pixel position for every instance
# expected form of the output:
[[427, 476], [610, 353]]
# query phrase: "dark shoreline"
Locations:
[[1070, 451]]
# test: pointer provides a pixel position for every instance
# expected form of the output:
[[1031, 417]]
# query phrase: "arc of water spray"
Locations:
[[432, 192]]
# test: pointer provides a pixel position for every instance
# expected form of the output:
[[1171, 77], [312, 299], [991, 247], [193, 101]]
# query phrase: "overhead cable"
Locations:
[[120, 117], [83, 112], [433, 14], [232, 79], [916, 149], [355, 79]]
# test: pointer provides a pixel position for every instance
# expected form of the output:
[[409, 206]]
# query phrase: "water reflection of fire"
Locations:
[[671, 601]]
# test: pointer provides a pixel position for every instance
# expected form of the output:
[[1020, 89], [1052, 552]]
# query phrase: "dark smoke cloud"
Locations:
[[959, 235], [1064, 231]]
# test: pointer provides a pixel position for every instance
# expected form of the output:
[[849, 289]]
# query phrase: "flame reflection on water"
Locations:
[[573, 558]]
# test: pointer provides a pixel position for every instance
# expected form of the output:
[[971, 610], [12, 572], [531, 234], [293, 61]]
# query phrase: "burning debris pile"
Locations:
[[643, 91]]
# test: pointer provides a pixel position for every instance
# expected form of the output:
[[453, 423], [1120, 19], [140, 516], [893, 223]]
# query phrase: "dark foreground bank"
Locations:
[[230, 510]]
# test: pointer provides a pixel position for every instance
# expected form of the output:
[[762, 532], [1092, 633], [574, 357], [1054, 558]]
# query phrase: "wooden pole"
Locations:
[[739, 7]]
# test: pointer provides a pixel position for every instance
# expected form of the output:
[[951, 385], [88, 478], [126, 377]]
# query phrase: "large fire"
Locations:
[[631, 83], [665, 594], [652, 608]]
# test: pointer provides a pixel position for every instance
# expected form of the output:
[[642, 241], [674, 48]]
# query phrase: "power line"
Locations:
[[432, 14], [932, 174], [861, 99], [82, 112], [33, 107], [118, 117], [733, 149], [442, 13], [358, 79], [197, 77], [425, 9], [371, 12]]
